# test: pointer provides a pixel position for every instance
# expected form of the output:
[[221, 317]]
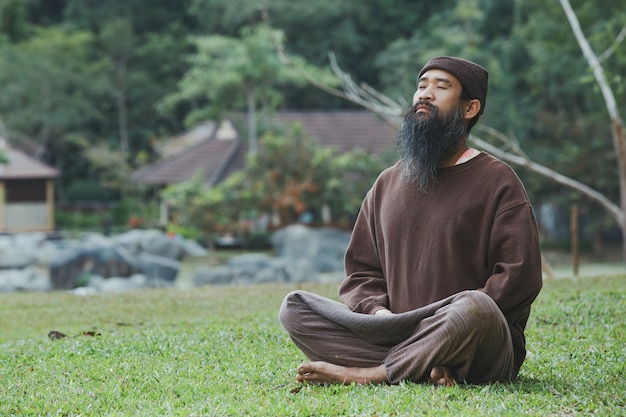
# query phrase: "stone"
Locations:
[[26, 279], [216, 275], [324, 247], [158, 267]]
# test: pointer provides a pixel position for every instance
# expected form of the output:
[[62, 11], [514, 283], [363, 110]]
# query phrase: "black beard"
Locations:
[[424, 141]]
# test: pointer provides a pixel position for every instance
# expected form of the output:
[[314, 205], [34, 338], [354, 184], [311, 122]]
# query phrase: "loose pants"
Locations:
[[466, 332]]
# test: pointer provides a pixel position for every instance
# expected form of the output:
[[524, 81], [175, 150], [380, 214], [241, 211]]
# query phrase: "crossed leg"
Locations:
[[320, 372], [467, 330]]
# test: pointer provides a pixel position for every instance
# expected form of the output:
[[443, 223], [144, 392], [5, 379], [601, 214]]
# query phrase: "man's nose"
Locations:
[[425, 94], [422, 95]]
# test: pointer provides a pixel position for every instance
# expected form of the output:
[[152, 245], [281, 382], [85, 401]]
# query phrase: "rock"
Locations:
[[217, 275], [324, 247], [26, 279], [154, 242], [193, 248], [158, 267], [150, 258], [75, 263], [119, 284], [16, 260], [21, 250], [256, 269]]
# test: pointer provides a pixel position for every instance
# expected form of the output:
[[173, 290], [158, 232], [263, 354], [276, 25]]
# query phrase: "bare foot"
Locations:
[[442, 375], [328, 373]]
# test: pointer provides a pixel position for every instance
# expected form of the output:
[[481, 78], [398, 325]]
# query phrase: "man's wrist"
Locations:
[[382, 312]]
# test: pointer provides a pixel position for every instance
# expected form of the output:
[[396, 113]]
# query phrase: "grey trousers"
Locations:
[[466, 332]]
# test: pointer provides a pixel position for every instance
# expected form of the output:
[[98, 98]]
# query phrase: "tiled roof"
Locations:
[[210, 156], [220, 152], [344, 130], [23, 166], [193, 136]]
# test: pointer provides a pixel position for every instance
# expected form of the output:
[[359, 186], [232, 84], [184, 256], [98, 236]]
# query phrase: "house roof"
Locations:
[[192, 153], [344, 129], [23, 166], [193, 136], [217, 152]]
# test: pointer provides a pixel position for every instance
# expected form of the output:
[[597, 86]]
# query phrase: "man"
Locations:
[[443, 262]]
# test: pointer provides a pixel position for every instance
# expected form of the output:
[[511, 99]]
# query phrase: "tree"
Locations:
[[52, 92], [118, 41], [13, 22], [291, 174], [227, 72], [617, 125], [509, 150]]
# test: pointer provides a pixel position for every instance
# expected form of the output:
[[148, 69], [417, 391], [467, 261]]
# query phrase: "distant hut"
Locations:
[[26, 193]]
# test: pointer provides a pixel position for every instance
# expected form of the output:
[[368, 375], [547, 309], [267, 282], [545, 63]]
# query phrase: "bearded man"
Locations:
[[443, 262]]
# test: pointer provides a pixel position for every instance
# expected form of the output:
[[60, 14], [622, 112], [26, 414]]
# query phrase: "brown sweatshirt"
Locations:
[[474, 230]]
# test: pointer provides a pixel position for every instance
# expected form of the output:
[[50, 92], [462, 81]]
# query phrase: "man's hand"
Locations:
[[383, 312]]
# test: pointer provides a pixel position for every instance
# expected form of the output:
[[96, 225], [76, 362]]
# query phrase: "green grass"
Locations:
[[220, 351]]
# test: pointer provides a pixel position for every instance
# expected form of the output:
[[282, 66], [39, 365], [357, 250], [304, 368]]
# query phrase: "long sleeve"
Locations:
[[364, 290], [516, 276]]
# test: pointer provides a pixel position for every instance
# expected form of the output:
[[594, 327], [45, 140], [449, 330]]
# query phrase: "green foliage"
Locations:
[[289, 175], [84, 72], [86, 213], [221, 351], [111, 167], [13, 21], [210, 211], [228, 73], [293, 173], [78, 220], [55, 65], [86, 190]]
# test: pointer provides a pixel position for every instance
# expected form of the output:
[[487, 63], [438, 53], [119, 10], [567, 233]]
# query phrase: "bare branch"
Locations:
[[592, 60], [617, 125], [391, 111], [510, 141], [523, 161], [616, 42]]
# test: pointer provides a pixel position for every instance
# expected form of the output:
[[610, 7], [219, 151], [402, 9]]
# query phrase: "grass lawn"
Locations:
[[220, 351]]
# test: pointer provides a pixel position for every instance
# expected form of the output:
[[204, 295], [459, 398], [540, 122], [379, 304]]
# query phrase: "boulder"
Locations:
[[155, 242], [256, 269], [215, 275], [25, 279], [76, 264], [119, 284], [324, 247], [158, 267]]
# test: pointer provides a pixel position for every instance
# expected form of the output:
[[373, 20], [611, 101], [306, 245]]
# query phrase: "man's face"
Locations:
[[431, 133], [438, 88]]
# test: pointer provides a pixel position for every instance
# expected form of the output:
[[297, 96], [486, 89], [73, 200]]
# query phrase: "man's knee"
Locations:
[[478, 302], [289, 310], [478, 311]]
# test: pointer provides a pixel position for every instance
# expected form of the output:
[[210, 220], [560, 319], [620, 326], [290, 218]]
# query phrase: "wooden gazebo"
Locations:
[[26, 193]]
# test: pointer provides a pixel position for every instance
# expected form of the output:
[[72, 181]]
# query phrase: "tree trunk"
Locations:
[[620, 142], [252, 139], [617, 131], [122, 108]]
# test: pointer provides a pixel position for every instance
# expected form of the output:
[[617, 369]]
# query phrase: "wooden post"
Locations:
[[50, 204], [574, 239], [3, 204]]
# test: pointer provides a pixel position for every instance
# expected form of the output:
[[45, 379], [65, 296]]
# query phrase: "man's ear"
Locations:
[[471, 109]]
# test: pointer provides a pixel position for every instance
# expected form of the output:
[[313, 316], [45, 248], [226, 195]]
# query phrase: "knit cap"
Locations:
[[473, 77]]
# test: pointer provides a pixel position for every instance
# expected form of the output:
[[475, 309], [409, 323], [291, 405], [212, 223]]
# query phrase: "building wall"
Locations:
[[21, 217], [26, 205]]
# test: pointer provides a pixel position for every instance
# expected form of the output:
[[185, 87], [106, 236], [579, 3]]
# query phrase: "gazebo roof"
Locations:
[[23, 166]]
